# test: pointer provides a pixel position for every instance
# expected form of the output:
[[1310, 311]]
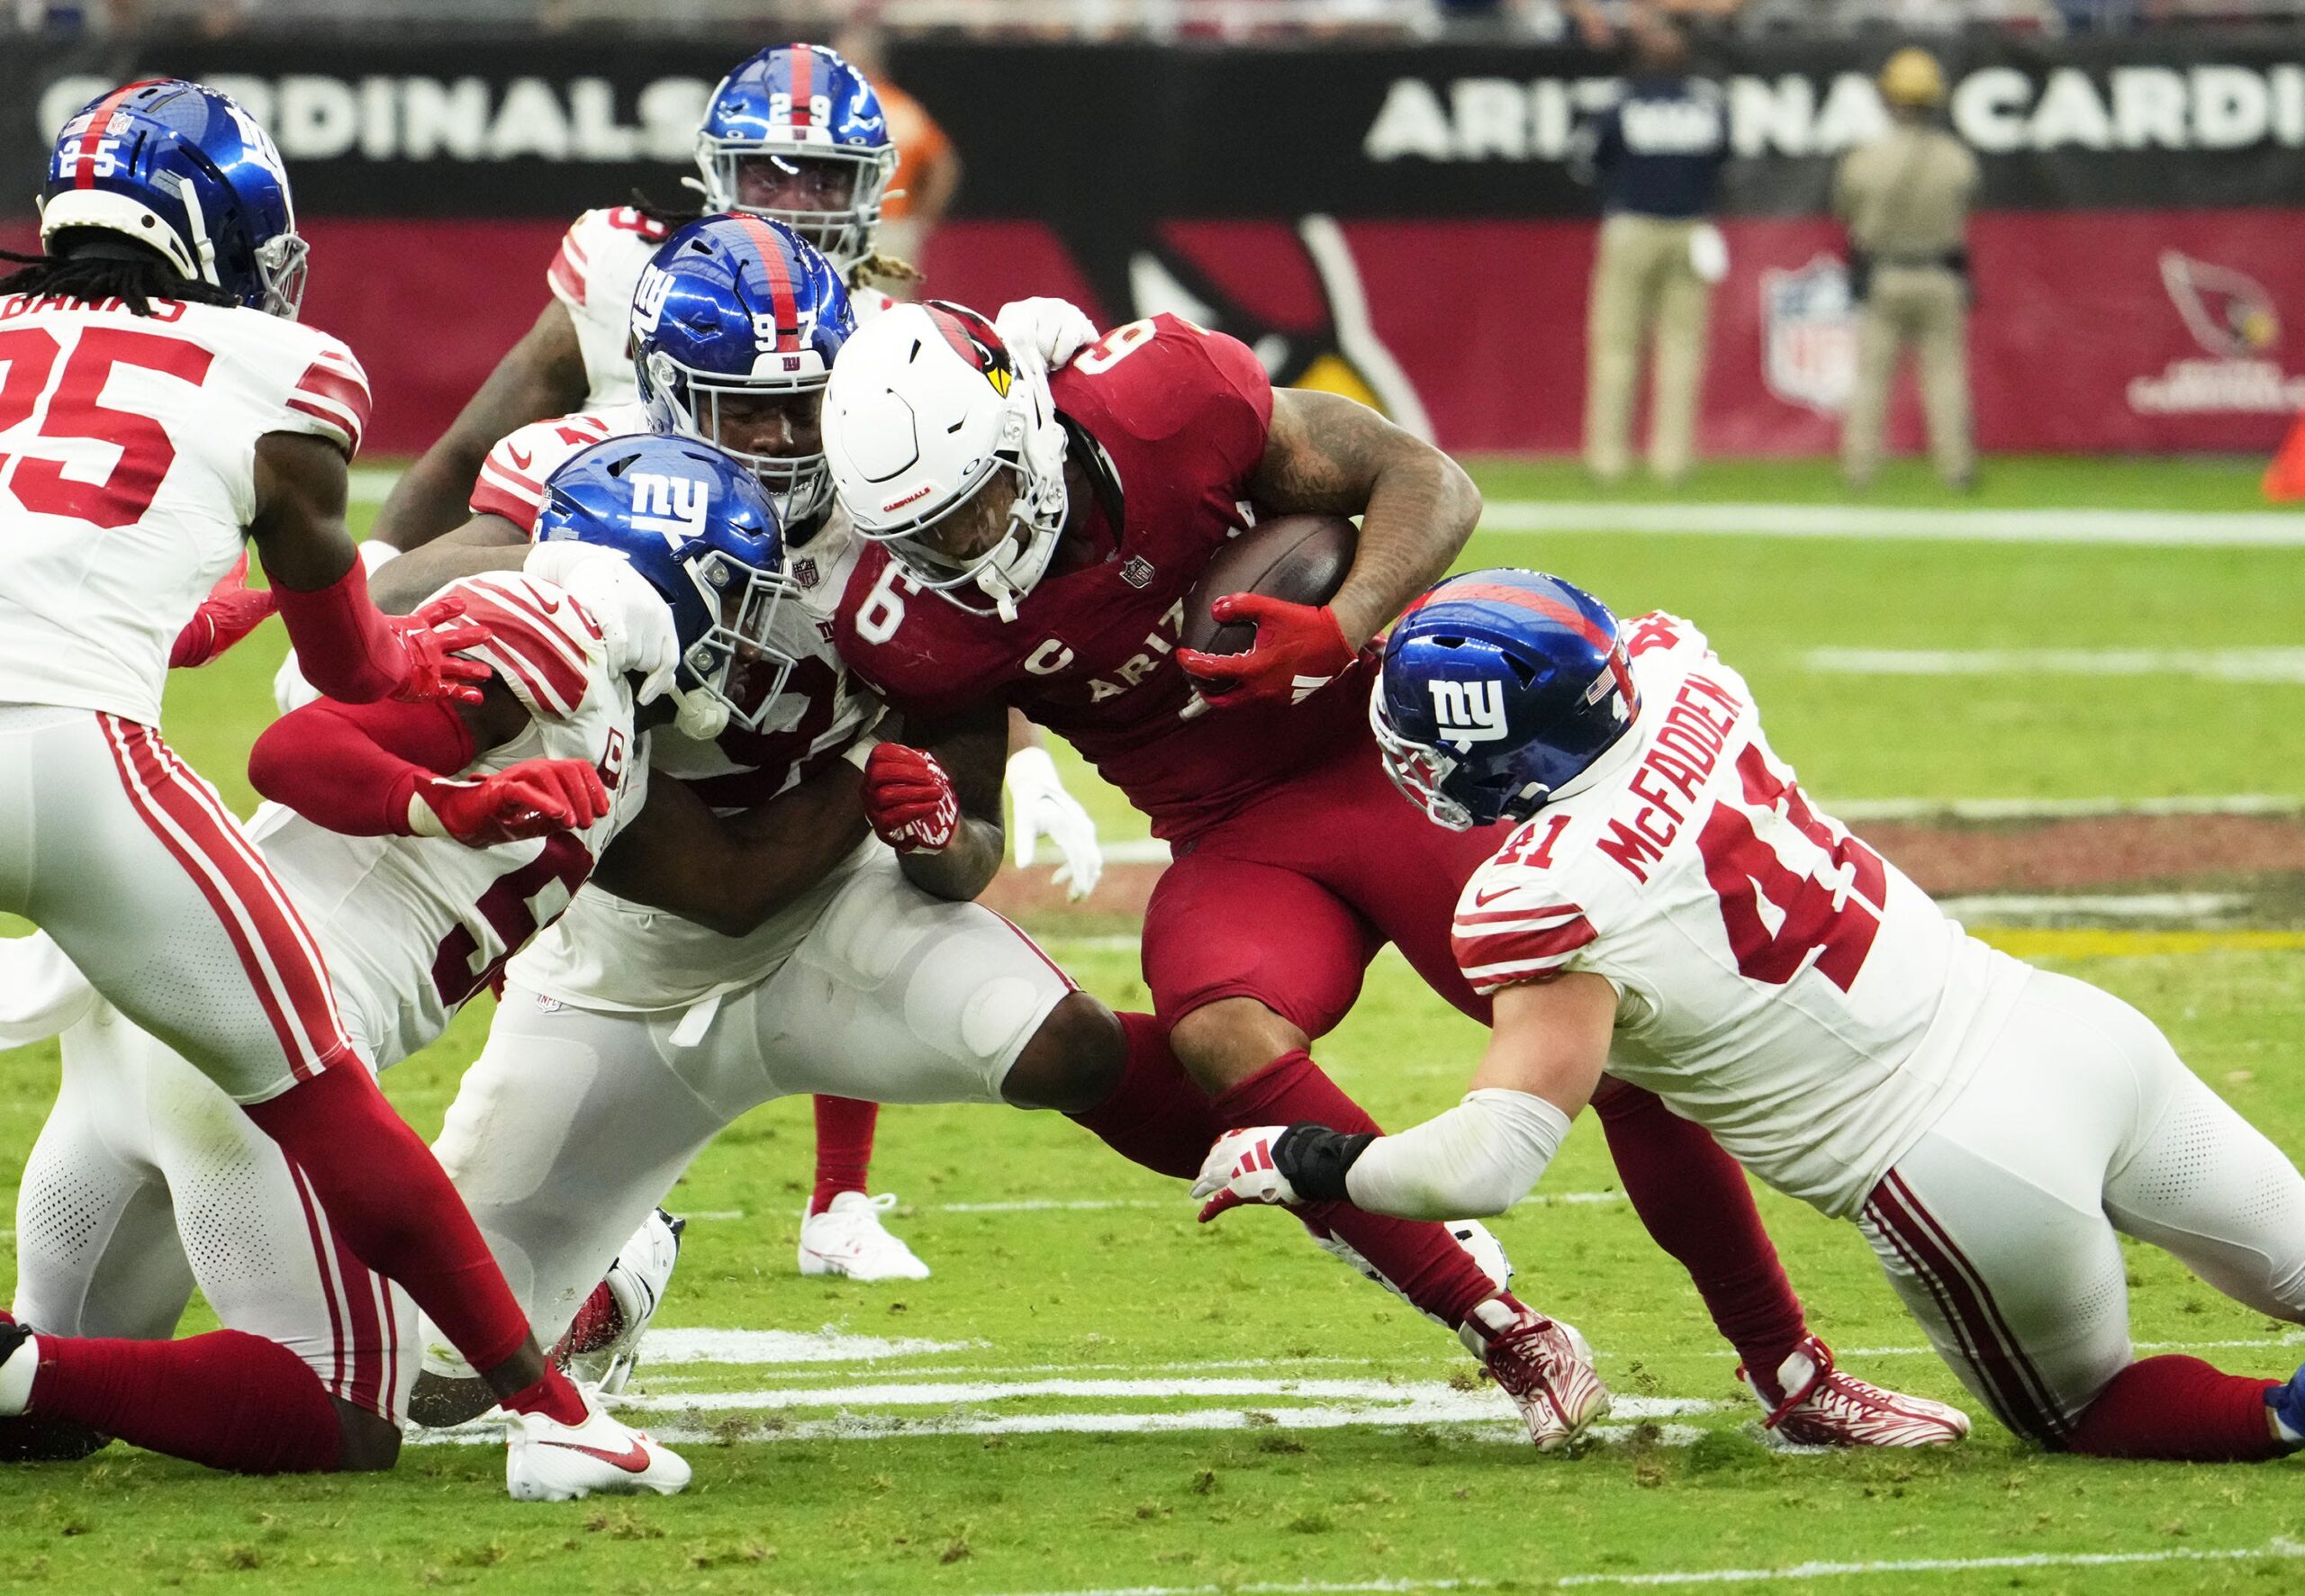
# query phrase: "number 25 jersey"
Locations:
[[127, 476], [1777, 981]]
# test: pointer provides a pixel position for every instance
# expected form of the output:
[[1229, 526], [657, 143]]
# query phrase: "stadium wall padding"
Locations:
[[1398, 221]]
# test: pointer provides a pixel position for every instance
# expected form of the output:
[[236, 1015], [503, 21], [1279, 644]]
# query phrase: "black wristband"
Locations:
[[1315, 1158]]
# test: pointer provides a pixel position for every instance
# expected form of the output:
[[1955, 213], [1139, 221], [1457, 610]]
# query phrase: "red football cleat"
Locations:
[[1812, 1403], [1544, 1366]]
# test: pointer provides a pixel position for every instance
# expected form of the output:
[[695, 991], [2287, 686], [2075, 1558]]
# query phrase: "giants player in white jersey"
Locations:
[[706, 374], [1673, 911], [159, 405], [795, 135], [423, 868]]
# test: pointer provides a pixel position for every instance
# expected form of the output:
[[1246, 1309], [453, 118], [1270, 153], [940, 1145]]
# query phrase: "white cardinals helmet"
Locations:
[[927, 405]]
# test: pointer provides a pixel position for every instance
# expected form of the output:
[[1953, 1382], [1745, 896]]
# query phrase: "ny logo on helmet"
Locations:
[[672, 505], [648, 299], [1469, 711]]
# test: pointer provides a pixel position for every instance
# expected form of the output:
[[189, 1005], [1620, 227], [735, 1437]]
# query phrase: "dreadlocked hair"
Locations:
[[133, 279], [877, 267], [662, 216]]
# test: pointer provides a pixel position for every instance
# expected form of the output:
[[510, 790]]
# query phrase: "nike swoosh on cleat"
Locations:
[[633, 1460]]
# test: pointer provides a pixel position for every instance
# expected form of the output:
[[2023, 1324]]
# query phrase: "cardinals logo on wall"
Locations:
[[1291, 293], [2233, 320]]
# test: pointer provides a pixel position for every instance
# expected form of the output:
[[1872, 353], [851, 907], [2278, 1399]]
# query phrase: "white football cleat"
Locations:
[[546, 1460], [847, 1239], [604, 1346], [1542, 1365], [1818, 1405]]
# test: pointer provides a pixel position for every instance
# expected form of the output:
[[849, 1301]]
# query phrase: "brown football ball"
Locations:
[[1302, 559]]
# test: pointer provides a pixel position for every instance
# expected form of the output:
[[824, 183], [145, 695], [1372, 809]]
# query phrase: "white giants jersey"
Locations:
[[1778, 981], [128, 478], [411, 927], [613, 954], [594, 272]]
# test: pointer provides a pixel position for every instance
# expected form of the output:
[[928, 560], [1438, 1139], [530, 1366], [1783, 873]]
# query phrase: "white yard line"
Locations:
[[788, 1347], [2002, 909], [2258, 667], [2148, 528], [1148, 850], [1410, 1402], [2279, 1548]]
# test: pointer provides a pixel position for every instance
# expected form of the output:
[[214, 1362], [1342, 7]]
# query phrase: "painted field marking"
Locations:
[[1418, 1401], [2140, 528], [2073, 942], [787, 1346], [371, 485], [2279, 1548], [1149, 850], [2258, 665], [2004, 907]]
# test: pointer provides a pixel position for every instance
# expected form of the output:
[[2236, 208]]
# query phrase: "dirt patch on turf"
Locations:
[[2166, 851]]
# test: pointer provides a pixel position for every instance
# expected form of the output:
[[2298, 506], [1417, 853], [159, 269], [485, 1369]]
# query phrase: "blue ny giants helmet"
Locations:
[[187, 173], [734, 324], [796, 135], [1500, 689], [695, 524]]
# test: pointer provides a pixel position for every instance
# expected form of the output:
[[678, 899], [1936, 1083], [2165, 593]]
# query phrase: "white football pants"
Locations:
[[575, 1122], [146, 1179], [1999, 1227], [111, 844]]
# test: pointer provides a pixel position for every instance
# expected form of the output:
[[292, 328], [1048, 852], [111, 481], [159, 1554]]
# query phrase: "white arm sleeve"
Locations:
[[1478, 1158]]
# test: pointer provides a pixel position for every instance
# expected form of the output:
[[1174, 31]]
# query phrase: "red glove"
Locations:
[[910, 800], [533, 798], [231, 610], [431, 636], [1298, 651]]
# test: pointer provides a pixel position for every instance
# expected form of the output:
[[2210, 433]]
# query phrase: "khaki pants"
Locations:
[[1929, 307], [1644, 283]]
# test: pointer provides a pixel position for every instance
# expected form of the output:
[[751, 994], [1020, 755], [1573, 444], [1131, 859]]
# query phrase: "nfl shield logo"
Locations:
[[804, 571], [1137, 571], [1809, 336]]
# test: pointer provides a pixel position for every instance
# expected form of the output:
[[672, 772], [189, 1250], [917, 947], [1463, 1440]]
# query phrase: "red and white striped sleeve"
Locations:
[[566, 275], [333, 396], [512, 479], [1514, 926], [541, 644]]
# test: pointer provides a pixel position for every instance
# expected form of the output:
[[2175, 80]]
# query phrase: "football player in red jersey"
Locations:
[[1031, 538]]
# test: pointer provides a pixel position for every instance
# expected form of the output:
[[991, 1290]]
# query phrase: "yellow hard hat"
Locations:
[[1912, 78]]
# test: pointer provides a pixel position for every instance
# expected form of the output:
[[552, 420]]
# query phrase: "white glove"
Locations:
[[1043, 808], [635, 623], [1239, 1165], [290, 691], [1055, 329]]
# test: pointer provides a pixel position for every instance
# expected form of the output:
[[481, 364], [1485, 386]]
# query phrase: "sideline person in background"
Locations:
[[1905, 200], [928, 169], [1657, 155]]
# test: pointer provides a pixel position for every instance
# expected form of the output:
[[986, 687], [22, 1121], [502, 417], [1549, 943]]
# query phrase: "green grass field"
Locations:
[[1094, 1393]]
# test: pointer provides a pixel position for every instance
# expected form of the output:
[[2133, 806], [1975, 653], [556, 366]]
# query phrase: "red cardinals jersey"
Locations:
[[1181, 416]]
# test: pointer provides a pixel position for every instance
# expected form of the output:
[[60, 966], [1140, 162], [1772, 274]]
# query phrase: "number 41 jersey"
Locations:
[[1778, 981], [128, 475]]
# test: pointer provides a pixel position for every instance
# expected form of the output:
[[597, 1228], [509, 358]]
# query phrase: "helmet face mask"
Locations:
[[797, 135], [948, 450], [1502, 691], [735, 325], [694, 524]]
